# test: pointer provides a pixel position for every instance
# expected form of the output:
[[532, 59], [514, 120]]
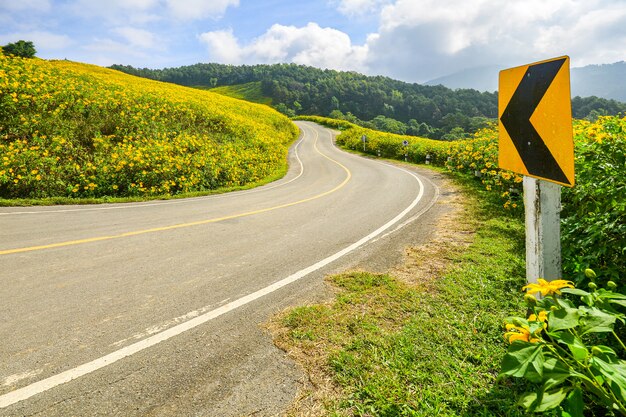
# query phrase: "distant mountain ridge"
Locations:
[[605, 81], [483, 78]]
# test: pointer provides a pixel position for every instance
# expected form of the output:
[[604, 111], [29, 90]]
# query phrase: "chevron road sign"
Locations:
[[535, 121], [535, 135]]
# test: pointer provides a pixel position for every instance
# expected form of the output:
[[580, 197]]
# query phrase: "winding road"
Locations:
[[154, 308]]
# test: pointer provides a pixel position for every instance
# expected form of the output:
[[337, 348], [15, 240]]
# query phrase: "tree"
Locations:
[[387, 124], [281, 107], [456, 133], [336, 114], [24, 49]]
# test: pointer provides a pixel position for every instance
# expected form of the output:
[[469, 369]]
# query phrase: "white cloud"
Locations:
[[106, 51], [37, 6], [145, 11], [111, 7], [308, 45], [420, 40], [223, 46], [360, 7], [42, 40], [415, 40], [138, 37], [199, 9], [116, 12]]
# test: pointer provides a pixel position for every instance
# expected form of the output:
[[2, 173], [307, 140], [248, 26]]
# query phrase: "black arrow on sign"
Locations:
[[516, 120]]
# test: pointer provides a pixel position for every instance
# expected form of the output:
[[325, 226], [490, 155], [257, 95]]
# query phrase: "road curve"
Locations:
[[153, 308]]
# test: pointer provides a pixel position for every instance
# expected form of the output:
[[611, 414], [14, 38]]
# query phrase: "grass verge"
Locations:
[[424, 340]]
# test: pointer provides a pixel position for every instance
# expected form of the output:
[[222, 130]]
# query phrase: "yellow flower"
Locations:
[[519, 333], [543, 317], [548, 287]]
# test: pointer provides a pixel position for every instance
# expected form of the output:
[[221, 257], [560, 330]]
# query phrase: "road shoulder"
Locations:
[[417, 255]]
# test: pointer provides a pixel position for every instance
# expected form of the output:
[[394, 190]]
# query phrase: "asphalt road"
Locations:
[[154, 308]]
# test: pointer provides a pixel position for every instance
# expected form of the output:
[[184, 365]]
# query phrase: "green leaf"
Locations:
[[527, 400], [574, 405], [543, 400], [614, 374], [574, 291], [605, 353], [602, 293], [555, 372], [564, 318], [575, 345], [596, 321], [525, 360]]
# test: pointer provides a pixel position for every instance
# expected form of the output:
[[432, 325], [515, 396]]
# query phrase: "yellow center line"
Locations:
[[190, 224]]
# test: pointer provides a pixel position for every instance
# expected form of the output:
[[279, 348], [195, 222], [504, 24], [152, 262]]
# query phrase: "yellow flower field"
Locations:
[[477, 156], [77, 130]]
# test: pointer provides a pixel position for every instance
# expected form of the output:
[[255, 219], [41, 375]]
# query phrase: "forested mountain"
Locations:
[[604, 81], [379, 102]]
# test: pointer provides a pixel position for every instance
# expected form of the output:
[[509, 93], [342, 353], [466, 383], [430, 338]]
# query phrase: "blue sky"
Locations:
[[412, 40]]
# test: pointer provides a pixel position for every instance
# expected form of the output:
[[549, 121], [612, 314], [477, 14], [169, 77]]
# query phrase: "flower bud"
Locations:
[[518, 322], [612, 285], [553, 308], [589, 273], [596, 351], [530, 299], [592, 286]]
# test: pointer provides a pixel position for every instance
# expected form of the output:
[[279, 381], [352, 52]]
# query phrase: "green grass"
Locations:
[[396, 348], [248, 91]]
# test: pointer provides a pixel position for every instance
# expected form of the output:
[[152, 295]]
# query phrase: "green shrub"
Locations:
[[594, 211], [559, 349]]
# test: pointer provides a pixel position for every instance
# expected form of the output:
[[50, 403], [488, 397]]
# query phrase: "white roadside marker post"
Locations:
[[542, 203]]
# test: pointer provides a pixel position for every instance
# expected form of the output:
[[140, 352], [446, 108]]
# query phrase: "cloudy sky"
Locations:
[[411, 40]]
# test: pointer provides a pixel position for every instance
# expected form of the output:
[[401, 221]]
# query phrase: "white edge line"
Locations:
[[38, 387], [168, 202]]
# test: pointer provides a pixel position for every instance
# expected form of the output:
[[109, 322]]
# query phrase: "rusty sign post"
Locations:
[[535, 140]]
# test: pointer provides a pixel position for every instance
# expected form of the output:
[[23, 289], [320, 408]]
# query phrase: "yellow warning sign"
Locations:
[[535, 121]]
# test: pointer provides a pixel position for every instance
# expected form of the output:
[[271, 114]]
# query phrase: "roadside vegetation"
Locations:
[[389, 346], [76, 131], [418, 342], [593, 224]]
